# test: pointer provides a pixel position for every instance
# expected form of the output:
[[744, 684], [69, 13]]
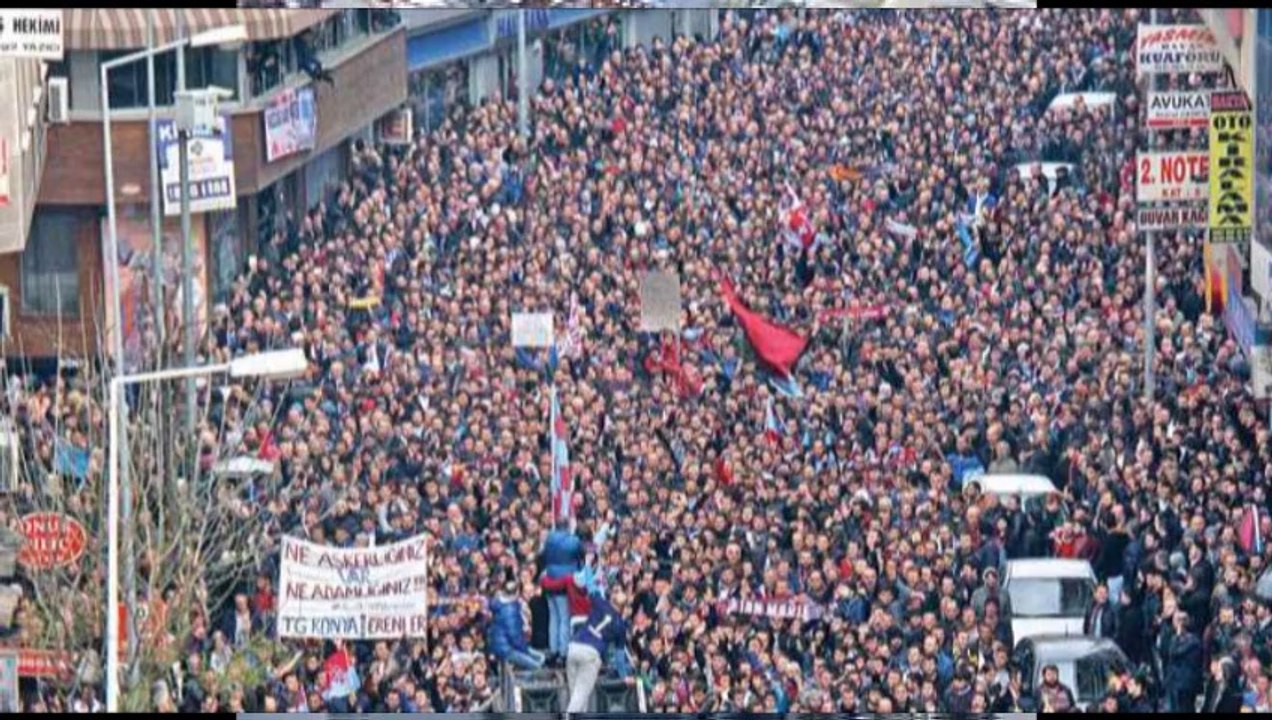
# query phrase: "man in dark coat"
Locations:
[[1181, 667], [1101, 619]]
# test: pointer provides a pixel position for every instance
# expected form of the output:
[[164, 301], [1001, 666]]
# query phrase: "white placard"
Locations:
[[1173, 218], [353, 593], [1048, 170], [1176, 49], [659, 301], [532, 330], [1171, 110], [1261, 270], [1261, 372], [1172, 176], [31, 33], [1091, 100]]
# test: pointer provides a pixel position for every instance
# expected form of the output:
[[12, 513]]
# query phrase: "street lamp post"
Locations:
[[219, 36], [523, 79], [277, 365]]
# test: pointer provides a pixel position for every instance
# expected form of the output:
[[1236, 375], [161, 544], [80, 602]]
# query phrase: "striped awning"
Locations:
[[125, 28]]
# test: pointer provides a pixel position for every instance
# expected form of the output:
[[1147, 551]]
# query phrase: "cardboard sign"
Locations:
[[1173, 110], [51, 540], [659, 302], [353, 593], [533, 330], [1232, 160], [1175, 218], [1172, 176], [397, 126], [1176, 49]]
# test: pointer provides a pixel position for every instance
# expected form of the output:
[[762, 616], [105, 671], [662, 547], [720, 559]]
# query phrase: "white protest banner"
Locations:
[[31, 34], [1172, 110], [801, 609], [1176, 49], [532, 330], [1048, 170], [659, 301], [1174, 218], [210, 158], [1172, 175], [1089, 100], [353, 593]]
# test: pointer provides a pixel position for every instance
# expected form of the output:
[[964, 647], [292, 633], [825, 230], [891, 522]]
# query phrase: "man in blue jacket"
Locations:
[[605, 628], [562, 556], [507, 631]]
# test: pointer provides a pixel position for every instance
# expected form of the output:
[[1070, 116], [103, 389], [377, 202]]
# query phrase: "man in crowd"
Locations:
[[604, 630]]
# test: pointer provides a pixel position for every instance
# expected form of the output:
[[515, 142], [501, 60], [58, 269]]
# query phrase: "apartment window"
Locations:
[[128, 87], [50, 267], [204, 66], [268, 64], [211, 66]]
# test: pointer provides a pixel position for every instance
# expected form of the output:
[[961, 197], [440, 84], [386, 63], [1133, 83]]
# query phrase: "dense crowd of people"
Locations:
[[1010, 340]]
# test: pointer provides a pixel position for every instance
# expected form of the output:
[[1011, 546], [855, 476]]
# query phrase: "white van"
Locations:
[[1049, 596]]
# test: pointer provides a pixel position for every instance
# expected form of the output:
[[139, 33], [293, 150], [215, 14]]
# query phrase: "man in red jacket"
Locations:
[[576, 592]]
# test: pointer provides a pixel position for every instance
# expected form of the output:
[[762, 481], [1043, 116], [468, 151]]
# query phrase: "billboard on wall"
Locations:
[[136, 272], [31, 34], [1176, 49], [291, 123], [1232, 168], [1172, 176], [210, 158], [1173, 110], [1171, 218]]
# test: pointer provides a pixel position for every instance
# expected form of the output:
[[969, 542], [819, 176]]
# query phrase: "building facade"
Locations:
[[1245, 38], [55, 281]]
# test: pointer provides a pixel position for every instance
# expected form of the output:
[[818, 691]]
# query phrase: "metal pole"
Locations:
[[110, 256], [156, 213], [156, 248], [112, 550], [187, 289], [187, 251], [523, 82], [1150, 281]]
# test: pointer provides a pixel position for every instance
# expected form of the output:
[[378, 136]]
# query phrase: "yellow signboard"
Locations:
[[1231, 168]]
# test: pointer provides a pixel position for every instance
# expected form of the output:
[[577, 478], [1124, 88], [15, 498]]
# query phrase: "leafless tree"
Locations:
[[193, 534]]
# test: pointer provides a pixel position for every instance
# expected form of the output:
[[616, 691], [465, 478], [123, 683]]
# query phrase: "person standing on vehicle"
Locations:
[[604, 628]]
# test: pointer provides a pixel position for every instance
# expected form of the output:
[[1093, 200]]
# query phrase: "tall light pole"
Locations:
[[156, 212], [1150, 277], [226, 35], [278, 365], [523, 81], [187, 250]]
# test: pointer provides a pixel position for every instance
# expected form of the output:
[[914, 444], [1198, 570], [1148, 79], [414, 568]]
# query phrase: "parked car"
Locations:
[[1031, 489], [1048, 596], [1084, 664]]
